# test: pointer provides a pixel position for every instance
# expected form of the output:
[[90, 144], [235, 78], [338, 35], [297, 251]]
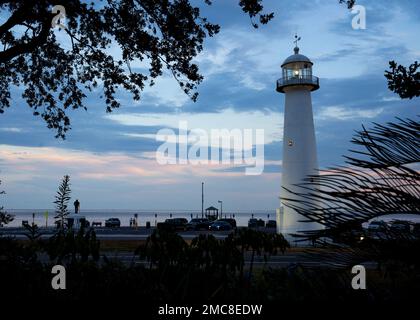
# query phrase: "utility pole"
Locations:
[[202, 199]]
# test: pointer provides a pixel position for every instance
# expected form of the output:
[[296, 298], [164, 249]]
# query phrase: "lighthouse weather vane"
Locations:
[[296, 39]]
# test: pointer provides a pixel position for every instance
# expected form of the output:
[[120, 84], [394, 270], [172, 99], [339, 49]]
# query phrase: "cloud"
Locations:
[[228, 119], [112, 180], [30, 163], [251, 83], [339, 54], [342, 113], [11, 129], [166, 92], [391, 98]]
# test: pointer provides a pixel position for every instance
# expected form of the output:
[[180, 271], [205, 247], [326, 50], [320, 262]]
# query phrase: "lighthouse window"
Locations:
[[290, 143]]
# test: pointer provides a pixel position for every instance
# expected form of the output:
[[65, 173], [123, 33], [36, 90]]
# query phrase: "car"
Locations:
[[175, 224], [198, 224], [252, 223], [112, 223], [416, 230], [220, 226], [377, 225], [231, 221], [271, 224], [73, 221], [401, 226]]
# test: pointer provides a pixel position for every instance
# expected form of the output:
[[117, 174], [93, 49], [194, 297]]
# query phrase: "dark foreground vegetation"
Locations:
[[205, 270]]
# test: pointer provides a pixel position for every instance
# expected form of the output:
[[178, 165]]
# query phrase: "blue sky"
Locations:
[[111, 157]]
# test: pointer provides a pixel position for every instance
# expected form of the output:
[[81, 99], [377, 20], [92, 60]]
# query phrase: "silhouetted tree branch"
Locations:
[[405, 81], [5, 217], [159, 33]]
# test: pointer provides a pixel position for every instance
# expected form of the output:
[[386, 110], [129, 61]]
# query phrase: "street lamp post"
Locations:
[[202, 199], [135, 219], [221, 208]]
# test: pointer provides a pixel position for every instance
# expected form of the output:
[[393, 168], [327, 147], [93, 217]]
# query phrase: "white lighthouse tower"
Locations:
[[299, 145]]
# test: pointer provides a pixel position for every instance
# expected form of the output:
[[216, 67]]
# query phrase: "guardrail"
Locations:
[[299, 80]]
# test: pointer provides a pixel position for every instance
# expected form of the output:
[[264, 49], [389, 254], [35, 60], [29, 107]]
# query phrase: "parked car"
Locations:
[[112, 223], [416, 230], [231, 221], [175, 224], [252, 223], [76, 221], [73, 221], [401, 226], [198, 224], [220, 226], [377, 226], [271, 224]]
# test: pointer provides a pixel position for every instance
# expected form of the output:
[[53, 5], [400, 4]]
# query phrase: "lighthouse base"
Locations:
[[290, 222]]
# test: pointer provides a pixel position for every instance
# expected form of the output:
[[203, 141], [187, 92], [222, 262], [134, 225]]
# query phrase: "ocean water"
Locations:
[[125, 215]]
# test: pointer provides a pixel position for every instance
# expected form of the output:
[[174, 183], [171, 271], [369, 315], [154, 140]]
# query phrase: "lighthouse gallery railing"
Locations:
[[287, 81]]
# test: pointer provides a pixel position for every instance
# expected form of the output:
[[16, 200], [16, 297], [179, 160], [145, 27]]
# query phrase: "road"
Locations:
[[123, 233], [289, 259], [126, 235], [279, 261]]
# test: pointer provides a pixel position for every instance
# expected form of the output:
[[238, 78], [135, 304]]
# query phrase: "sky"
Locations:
[[111, 158]]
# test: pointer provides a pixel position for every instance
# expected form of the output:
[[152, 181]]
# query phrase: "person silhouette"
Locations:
[[76, 206]]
